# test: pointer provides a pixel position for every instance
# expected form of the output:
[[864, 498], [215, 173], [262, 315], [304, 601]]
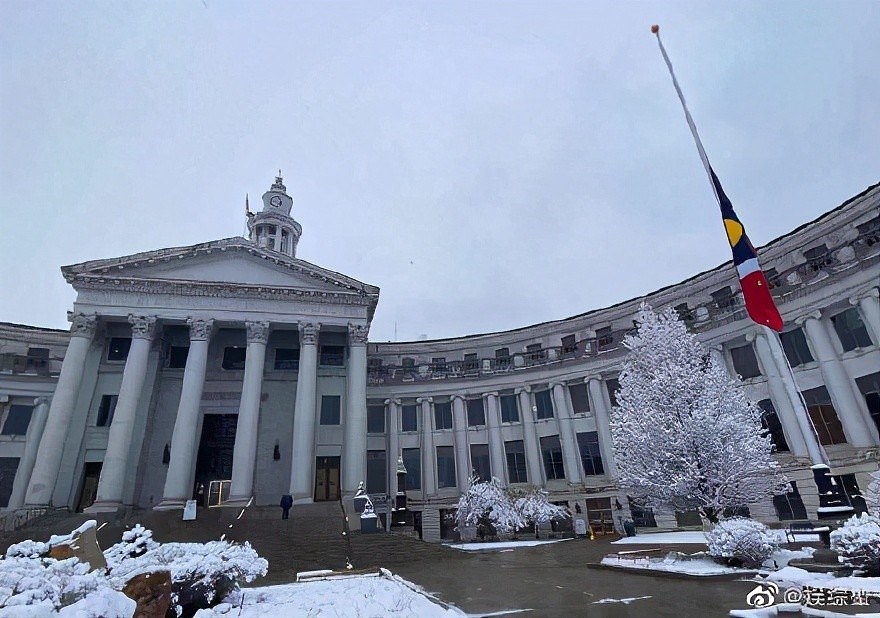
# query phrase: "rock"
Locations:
[[151, 592], [193, 594], [84, 547]]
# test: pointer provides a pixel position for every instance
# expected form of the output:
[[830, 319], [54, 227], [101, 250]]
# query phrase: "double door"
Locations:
[[326, 479]]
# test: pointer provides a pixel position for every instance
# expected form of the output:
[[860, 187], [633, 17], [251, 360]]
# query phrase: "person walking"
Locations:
[[286, 503]]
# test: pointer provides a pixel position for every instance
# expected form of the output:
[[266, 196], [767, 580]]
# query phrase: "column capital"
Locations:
[[491, 394], [392, 402], [425, 400], [308, 333], [142, 326], [814, 315], [592, 377], [39, 401], [200, 329], [458, 396], [257, 332], [523, 389], [357, 334], [82, 325], [556, 383], [858, 296], [751, 335]]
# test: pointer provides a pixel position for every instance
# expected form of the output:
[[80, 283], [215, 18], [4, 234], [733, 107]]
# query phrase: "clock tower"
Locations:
[[273, 228]]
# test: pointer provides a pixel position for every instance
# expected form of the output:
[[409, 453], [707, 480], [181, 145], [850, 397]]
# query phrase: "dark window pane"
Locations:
[[544, 404], [330, 409], [824, 416], [476, 414], [551, 452], [118, 348], [471, 362], [177, 356], [376, 419], [412, 461], [580, 401], [789, 505], [770, 422], [409, 418], [286, 359], [869, 387], [445, 467], [516, 461], [569, 345], [106, 410], [796, 349], [17, 420], [591, 457], [377, 477], [851, 492], [234, 357], [509, 409], [502, 358], [480, 461], [613, 385], [643, 516], [604, 337], [744, 361], [332, 355], [443, 415], [851, 330], [724, 298]]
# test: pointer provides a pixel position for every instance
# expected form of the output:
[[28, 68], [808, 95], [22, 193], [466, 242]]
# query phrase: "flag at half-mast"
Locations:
[[756, 292]]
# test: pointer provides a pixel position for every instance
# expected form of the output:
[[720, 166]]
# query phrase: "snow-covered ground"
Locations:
[[381, 594], [695, 537], [697, 564], [771, 612], [793, 576], [496, 545]]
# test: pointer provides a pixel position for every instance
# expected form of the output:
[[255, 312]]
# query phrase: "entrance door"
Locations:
[[326, 479], [214, 460], [91, 476]]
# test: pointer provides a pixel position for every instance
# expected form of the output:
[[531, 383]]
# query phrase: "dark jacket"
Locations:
[[286, 501]]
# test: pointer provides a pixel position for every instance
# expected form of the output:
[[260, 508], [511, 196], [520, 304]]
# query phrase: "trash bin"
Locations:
[[629, 527]]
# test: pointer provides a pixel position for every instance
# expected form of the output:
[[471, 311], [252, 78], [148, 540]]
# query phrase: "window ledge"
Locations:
[[857, 352]]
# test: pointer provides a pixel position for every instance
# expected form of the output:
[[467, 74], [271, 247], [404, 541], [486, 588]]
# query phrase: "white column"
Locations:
[[530, 436], [303, 455], [244, 452], [48, 460], [277, 245], [354, 453], [392, 426], [29, 456], [496, 441], [429, 457], [717, 354], [178, 488], [603, 423], [567, 436], [117, 457], [869, 303], [785, 409], [840, 387], [460, 440]]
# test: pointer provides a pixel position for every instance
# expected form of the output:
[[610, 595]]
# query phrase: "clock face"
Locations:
[[275, 201]]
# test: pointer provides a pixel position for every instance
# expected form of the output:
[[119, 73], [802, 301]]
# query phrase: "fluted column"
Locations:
[[603, 423], [184, 447], [840, 387], [354, 453], [29, 456], [429, 457], [496, 441], [51, 446], [460, 439], [303, 455], [244, 452], [530, 436], [869, 303], [567, 436], [392, 426], [117, 457]]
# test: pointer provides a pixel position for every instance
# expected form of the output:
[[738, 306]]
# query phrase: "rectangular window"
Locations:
[[796, 349], [789, 506], [516, 461], [591, 457], [685, 315], [286, 359], [438, 364], [332, 355], [377, 477], [824, 416], [471, 362], [234, 357], [569, 345], [869, 387], [412, 461], [509, 409], [118, 348], [480, 461], [445, 467], [580, 400], [770, 422], [106, 410], [330, 409], [818, 257], [476, 414], [551, 452], [443, 415], [177, 356], [604, 337], [744, 361], [544, 404], [613, 385], [851, 330], [724, 298], [502, 358], [599, 512], [376, 419], [409, 418], [17, 420]]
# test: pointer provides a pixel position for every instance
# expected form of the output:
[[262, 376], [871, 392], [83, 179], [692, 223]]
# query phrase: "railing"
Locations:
[[28, 365], [783, 285]]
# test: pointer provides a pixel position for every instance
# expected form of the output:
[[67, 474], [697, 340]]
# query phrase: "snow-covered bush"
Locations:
[[740, 542], [135, 542], [872, 493], [857, 542], [46, 581], [534, 507], [488, 507]]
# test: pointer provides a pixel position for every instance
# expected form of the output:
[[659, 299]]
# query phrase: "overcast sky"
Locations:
[[489, 165]]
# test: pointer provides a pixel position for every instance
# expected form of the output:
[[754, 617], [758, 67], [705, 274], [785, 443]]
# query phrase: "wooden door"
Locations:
[[326, 479]]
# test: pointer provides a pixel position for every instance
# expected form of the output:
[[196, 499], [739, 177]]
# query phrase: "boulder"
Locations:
[[151, 592]]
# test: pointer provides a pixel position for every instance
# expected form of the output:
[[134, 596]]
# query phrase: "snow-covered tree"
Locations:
[[534, 508], [486, 504], [685, 435], [872, 493]]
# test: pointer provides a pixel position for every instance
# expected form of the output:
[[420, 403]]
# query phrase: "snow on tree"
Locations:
[[740, 542], [872, 493], [858, 543], [486, 505], [535, 508], [685, 436]]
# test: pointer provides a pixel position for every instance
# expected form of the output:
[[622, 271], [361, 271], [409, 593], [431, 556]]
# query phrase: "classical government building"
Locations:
[[234, 371]]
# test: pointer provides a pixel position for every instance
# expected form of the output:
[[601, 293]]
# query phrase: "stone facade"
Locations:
[[187, 364]]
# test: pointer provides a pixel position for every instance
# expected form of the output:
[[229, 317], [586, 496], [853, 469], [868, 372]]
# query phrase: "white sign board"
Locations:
[[580, 527], [189, 511]]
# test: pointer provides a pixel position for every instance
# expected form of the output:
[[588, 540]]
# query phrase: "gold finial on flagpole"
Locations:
[[655, 28]]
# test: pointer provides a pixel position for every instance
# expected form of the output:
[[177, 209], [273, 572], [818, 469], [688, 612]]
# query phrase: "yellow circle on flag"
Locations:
[[734, 231]]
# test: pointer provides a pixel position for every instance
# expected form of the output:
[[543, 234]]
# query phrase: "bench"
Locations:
[[797, 528]]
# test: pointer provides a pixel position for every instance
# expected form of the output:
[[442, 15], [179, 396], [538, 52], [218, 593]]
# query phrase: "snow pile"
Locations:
[[858, 543], [47, 582], [740, 542], [502, 545]]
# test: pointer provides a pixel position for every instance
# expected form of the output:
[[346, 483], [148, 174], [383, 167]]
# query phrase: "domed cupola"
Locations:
[[273, 228]]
